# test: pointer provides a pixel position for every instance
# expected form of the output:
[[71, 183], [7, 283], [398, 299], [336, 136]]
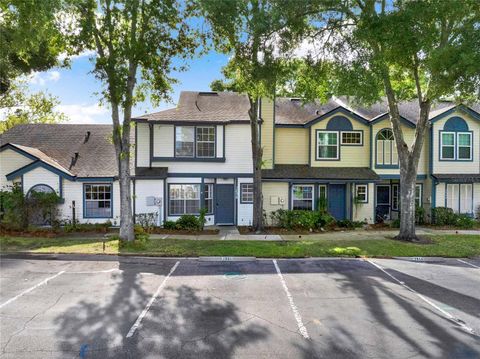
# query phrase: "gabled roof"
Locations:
[[37, 155], [56, 145], [196, 106], [226, 107]]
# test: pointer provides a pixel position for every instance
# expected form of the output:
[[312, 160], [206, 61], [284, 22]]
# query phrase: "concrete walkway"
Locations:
[[231, 233]]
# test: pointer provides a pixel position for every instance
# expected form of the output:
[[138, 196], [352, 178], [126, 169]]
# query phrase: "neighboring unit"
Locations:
[[335, 155]]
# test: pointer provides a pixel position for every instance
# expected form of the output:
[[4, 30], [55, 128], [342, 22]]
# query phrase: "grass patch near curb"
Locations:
[[441, 246]]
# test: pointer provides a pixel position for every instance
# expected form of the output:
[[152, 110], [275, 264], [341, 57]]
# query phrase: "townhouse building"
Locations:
[[335, 155]]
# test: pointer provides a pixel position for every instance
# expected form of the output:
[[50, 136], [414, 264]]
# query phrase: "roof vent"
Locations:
[[74, 160], [295, 99], [211, 93], [87, 136], [317, 112]]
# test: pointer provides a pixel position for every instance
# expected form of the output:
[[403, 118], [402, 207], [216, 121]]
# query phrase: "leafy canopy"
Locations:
[[30, 38]]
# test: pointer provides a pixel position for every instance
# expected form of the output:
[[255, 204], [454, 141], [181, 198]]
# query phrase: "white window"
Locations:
[[184, 141], [447, 144], [361, 193], [464, 146], [352, 138], [466, 198], [386, 148], [208, 198], [395, 197], [205, 142], [184, 199], [246, 193], [98, 200], [459, 197], [302, 197], [418, 195], [327, 145]]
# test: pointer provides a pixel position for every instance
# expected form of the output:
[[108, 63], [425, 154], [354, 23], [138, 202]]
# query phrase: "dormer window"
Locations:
[[195, 141]]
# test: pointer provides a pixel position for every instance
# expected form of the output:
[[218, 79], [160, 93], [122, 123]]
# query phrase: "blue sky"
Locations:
[[75, 87]]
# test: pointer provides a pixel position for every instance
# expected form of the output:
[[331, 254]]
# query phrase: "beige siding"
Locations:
[[143, 145], [440, 195], [409, 137], [291, 146], [350, 156], [267, 134], [457, 166], [273, 193], [364, 211], [40, 176], [163, 140], [9, 162]]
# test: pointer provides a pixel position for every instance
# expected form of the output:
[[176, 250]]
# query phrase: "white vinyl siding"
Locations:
[[40, 175], [9, 162], [163, 141]]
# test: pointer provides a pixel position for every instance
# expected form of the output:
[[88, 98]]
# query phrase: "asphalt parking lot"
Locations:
[[73, 307]]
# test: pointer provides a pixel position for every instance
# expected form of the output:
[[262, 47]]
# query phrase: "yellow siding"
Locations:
[[457, 166], [291, 146], [409, 137], [267, 112], [350, 156], [272, 191]]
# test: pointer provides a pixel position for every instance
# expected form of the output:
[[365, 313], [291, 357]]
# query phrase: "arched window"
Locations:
[[40, 188], [456, 141], [386, 148]]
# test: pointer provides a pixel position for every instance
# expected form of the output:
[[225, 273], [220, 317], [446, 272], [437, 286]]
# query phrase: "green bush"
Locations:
[[188, 222], [70, 226], [395, 223], [465, 221], [295, 219], [443, 216], [346, 223], [169, 225], [147, 220], [419, 215]]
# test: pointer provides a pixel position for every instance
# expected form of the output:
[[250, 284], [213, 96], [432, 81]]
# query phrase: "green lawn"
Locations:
[[444, 246]]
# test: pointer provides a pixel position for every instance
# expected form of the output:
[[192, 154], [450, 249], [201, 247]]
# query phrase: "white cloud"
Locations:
[[41, 78], [85, 113], [86, 53]]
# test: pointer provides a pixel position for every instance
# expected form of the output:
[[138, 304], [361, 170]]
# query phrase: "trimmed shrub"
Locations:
[[300, 219], [443, 216], [188, 222], [147, 220], [346, 223], [465, 221], [169, 225]]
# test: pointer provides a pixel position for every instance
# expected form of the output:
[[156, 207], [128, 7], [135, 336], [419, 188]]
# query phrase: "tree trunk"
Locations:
[[407, 204], [257, 154], [126, 217]]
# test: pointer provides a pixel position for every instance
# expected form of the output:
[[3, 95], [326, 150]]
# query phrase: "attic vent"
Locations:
[[208, 93], [87, 136], [295, 99], [317, 112]]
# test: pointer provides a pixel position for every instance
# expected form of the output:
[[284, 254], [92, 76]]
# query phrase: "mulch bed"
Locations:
[[184, 231]]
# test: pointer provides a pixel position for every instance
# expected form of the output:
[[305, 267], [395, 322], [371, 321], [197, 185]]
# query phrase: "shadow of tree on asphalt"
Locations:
[[179, 324]]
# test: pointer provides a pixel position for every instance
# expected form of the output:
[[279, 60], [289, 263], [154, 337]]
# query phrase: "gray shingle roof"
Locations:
[[205, 106], [324, 173], [59, 142], [227, 107], [41, 156], [458, 177]]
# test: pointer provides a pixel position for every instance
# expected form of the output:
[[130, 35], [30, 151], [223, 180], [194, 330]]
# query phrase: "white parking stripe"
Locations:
[[30, 289], [454, 319], [149, 304], [468, 263], [295, 311]]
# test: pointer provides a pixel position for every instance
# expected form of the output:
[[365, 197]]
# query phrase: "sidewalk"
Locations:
[[231, 233]]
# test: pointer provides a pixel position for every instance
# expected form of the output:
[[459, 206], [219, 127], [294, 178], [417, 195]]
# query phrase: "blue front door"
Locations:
[[224, 204], [337, 201]]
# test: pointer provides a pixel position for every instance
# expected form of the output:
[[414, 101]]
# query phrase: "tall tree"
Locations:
[[254, 34], [19, 107], [136, 43], [30, 38], [401, 50]]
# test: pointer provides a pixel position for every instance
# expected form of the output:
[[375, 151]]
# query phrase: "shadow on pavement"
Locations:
[[189, 326]]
